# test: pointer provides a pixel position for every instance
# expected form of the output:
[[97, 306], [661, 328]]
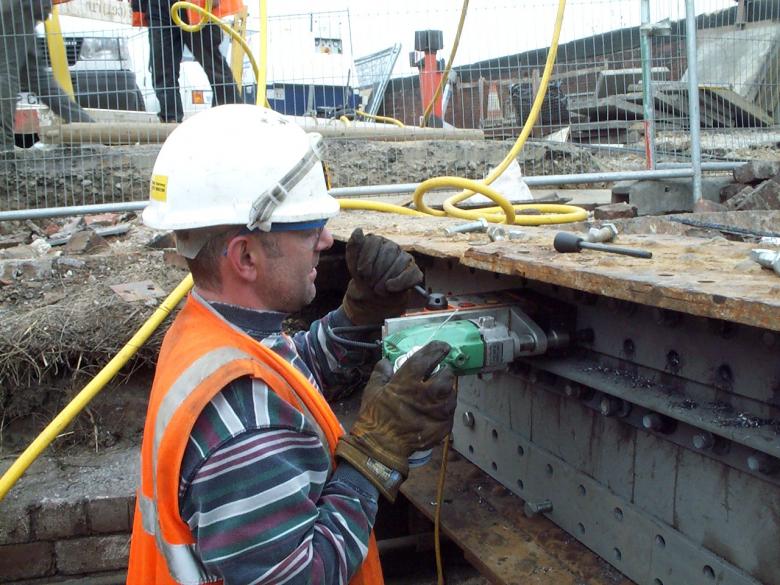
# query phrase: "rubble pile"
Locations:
[[756, 186]]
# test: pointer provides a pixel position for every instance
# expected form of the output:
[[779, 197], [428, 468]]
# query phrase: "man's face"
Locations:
[[292, 258]]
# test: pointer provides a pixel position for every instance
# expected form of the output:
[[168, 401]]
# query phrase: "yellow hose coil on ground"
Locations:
[[572, 213]]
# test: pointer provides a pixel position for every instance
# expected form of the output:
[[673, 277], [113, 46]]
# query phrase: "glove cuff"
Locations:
[[386, 479]]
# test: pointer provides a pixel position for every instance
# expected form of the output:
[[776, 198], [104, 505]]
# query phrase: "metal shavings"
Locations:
[[635, 380]]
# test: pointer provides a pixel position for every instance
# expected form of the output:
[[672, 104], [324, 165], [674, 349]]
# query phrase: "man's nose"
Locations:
[[325, 241]]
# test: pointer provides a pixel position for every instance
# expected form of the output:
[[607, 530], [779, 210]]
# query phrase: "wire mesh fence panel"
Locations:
[[87, 97]]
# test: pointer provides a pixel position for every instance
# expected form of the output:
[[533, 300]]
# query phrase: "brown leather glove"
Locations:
[[410, 410], [382, 275]]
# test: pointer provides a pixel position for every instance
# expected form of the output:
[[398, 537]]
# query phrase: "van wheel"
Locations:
[[25, 140]]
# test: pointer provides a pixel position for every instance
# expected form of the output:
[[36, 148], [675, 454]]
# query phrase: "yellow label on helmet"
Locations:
[[158, 188]]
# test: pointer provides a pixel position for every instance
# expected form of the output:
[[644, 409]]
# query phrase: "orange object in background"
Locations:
[[198, 97], [430, 77], [225, 8], [26, 122]]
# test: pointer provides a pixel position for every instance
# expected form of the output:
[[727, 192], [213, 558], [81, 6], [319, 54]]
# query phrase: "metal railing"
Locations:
[[626, 91]]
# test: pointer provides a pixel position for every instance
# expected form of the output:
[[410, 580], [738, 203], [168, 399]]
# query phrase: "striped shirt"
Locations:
[[256, 487]]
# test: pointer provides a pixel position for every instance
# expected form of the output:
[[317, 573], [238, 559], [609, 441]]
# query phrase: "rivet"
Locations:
[[725, 376], [611, 406], [468, 419], [763, 463], [658, 423], [673, 361], [703, 440]]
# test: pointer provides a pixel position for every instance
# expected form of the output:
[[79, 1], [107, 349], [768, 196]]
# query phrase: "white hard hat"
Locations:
[[238, 165]]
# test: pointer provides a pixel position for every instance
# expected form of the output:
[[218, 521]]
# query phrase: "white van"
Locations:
[[109, 68]]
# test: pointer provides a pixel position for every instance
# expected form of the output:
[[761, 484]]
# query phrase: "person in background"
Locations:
[[166, 47], [246, 474], [23, 68]]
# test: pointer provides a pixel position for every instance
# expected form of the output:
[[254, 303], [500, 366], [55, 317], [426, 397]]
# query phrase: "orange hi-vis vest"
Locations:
[[200, 355]]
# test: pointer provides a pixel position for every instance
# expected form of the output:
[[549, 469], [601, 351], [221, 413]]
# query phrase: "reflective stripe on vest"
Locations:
[[183, 562], [190, 379], [209, 352]]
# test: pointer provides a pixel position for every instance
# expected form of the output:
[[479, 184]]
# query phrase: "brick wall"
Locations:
[[402, 96], [65, 541]]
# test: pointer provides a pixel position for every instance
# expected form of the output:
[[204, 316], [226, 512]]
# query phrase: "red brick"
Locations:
[[615, 211]]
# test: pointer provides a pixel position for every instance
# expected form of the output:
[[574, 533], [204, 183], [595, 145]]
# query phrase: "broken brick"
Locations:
[[102, 219], [732, 190], [765, 196], [85, 242], [756, 170], [615, 211]]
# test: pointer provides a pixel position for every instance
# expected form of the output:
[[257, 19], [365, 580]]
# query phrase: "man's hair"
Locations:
[[205, 266]]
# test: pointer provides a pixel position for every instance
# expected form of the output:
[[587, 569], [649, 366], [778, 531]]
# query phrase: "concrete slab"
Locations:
[[618, 81], [659, 197], [752, 57]]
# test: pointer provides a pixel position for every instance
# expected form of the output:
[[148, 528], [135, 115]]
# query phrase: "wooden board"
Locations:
[[486, 520], [706, 277]]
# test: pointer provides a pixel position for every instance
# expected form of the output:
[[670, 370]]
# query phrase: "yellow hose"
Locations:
[[426, 186], [207, 16], [380, 118], [464, 9], [262, 74], [63, 419], [379, 206], [504, 211]]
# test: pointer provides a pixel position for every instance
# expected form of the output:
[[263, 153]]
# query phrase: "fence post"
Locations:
[[693, 97], [648, 104]]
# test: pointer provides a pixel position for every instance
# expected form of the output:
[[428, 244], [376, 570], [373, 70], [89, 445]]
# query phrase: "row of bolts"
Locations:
[[703, 440], [605, 233]]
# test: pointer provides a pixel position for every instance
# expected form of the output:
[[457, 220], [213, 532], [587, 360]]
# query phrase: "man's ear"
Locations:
[[244, 258]]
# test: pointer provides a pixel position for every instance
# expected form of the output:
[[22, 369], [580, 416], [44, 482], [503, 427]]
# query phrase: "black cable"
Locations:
[[725, 228], [334, 334]]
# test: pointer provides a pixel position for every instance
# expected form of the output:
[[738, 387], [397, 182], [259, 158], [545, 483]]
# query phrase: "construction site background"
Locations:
[[71, 301]]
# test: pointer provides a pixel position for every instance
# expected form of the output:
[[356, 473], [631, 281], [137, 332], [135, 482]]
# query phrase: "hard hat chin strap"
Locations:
[[270, 199]]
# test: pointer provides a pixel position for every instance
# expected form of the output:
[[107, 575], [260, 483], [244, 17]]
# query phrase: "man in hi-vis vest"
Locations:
[[246, 475]]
